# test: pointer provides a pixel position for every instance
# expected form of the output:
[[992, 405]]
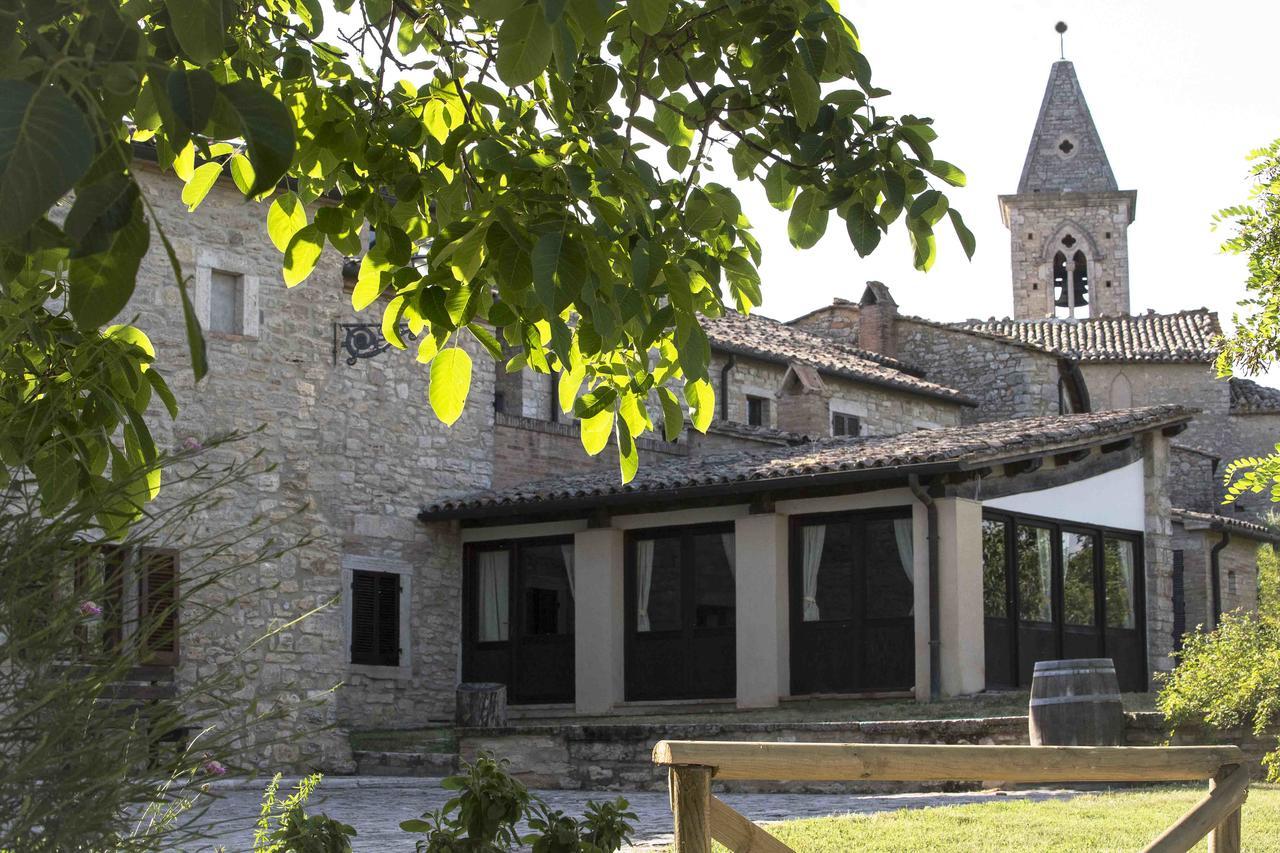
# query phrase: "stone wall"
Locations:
[[1193, 480], [527, 449], [356, 452], [1123, 386], [1238, 573], [1158, 552], [1252, 435]]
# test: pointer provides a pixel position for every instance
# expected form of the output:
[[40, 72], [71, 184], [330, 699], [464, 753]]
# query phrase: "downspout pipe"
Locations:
[[1215, 576], [935, 614], [729, 364]]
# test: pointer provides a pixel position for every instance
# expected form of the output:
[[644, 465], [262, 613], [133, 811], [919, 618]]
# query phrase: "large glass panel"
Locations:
[[827, 572], [1035, 571], [1118, 575], [1079, 606], [546, 591], [889, 555], [713, 594], [658, 584], [492, 600], [995, 567]]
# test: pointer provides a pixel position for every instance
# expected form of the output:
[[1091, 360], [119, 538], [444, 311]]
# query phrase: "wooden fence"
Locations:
[[701, 817]]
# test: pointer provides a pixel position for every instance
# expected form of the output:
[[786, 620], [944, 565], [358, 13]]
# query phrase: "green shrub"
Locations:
[[1228, 677], [484, 818], [285, 827]]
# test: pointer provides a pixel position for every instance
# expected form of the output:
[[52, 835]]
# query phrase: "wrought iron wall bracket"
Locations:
[[363, 340]]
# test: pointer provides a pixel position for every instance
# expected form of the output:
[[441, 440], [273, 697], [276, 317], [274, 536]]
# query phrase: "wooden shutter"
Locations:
[[375, 618], [158, 607]]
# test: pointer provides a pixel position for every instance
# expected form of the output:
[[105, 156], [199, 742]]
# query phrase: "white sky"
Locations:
[[1180, 93]]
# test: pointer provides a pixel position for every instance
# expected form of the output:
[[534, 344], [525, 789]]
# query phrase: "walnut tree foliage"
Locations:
[[535, 171], [1255, 346]]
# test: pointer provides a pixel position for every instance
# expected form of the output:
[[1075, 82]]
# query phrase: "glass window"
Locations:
[[546, 589], [842, 424], [890, 554], [658, 584], [757, 411], [1079, 606], [828, 572], [226, 302], [1035, 571], [493, 616], [713, 592], [995, 592], [1118, 575]]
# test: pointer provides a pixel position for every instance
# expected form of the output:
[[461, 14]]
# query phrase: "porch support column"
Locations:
[[960, 596], [598, 619], [761, 617]]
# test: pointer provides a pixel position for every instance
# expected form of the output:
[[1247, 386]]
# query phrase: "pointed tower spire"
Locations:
[[1066, 153]]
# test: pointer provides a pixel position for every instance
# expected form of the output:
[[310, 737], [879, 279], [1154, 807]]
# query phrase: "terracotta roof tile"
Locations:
[[1213, 521], [1248, 397], [1188, 336], [763, 337], [809, 463]]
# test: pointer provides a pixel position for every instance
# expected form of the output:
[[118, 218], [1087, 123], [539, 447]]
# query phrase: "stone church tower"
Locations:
[[1068, 223]]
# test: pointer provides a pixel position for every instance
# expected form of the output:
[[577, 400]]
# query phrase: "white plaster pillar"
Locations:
[[598, 619], [761, 617], [962, 651]]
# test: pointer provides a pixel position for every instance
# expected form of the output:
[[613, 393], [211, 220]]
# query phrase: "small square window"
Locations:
[[842, 424], [226, 303], [757, 411], [375, 618]]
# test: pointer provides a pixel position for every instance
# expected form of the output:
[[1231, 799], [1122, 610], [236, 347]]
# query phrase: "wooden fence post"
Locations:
[[691, 805], [1225, 838]]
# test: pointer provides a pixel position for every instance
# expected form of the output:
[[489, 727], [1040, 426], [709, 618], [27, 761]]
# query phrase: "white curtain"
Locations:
[[814, 536], [1044, 554], [730, 552], [567, 552], [494, 611], [904, 534], [644, 578], [1124, 550]]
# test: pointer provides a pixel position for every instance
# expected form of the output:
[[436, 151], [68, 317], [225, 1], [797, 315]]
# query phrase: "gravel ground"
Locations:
[[376, 805]]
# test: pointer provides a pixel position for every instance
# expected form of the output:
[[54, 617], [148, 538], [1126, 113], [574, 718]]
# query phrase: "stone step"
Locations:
[[371, 763]]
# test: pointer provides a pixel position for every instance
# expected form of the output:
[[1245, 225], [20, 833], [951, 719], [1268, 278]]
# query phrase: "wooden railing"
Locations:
[[701, 817]]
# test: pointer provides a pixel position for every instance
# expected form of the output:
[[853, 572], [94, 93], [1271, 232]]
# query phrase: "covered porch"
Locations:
[[845, 567]]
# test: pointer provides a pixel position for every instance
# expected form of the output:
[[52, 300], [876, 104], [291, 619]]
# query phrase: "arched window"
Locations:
[[1072, 300]]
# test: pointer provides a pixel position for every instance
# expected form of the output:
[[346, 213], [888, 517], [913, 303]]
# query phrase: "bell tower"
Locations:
[[1068, 222]]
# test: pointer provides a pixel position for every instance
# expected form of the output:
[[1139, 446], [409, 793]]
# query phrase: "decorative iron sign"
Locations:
[[363, 340]]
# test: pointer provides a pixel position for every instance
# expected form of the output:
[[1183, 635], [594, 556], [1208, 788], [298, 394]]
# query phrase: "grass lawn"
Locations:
[[1124, 820]]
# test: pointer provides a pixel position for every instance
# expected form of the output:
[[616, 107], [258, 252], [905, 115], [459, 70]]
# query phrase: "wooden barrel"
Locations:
[[481, 705], [1076, 703]]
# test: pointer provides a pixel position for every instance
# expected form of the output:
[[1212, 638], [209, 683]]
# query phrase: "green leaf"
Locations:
[[949, 173], [242, 173], [702, 403], [163, 392], [669, 117], [546, 261], [200, 28], [778, 187], [101, 284], [864, 233], [805, 96], [286, 217], [524, 45], [650, 15], [195, 336], [924, 246], [202, 180], [268, 130], [57, 474], [301, 255], [100, 209], [568, 386], [45, 147], [929, 206], [553, 9], [450, 383], [672, 414], [192, 95], [486, 339], [628, 454], [595, 431], [808, 220], [967, 242]]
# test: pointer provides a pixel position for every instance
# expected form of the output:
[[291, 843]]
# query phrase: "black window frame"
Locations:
[[757, 410], [375, 629], [848, 419]]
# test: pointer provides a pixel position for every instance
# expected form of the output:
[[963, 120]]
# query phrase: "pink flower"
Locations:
[[88, 608], [191, 443], [214, 768]]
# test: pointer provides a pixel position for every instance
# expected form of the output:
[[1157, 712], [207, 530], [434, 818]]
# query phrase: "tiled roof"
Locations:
[[1248, 397], [828, 460], [1188, 336], [733, 429], [772, 340], [1230, 524]]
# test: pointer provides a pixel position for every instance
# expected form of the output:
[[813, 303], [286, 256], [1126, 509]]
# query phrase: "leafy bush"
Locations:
[[294, 830], [1228, 677], [484, 818]]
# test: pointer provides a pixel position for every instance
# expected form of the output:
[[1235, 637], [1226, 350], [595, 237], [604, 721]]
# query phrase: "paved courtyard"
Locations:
[[376, 805]]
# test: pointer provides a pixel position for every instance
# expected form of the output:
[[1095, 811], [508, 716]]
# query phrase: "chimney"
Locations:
[[876, 315]]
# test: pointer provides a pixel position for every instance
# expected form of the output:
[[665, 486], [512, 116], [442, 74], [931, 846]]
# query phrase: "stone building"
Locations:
[[883, 504]]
